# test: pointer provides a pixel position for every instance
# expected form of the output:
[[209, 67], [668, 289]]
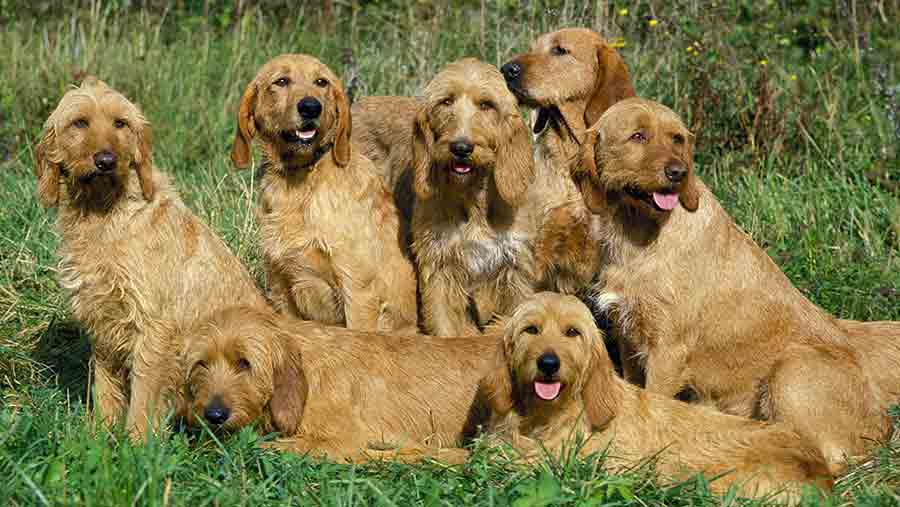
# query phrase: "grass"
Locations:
[[796, 109]]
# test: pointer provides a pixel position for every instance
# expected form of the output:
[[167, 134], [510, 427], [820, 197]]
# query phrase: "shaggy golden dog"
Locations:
[[134, 260], [329, 230], [472, 164], [570, 77], [553, 378], [333, 391], [697, 305]]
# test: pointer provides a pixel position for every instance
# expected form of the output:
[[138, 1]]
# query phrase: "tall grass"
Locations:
[[795, 109]]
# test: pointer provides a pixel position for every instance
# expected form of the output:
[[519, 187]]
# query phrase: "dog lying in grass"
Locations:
[[134, 260], [696, 305], [335, 392], [552, 377]]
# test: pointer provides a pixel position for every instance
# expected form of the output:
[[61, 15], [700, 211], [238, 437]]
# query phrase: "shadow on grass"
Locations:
[[65, 349]]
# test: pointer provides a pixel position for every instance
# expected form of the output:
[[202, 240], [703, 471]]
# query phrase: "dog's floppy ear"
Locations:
[[290, 391], [143, 157], [495, 388], [613, 84], [584, 169], [423, 144], [46, 168], [601, 391], [243, 138], [690, 194], [514, 170], [341, 150]]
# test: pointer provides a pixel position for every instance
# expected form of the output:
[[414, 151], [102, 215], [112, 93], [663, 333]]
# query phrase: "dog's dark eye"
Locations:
[[487, 105], [559, 50], [282, 82], [639, 137], [243, 365], [80, 123], [531, 330], [678, 139], [120, 124], [572, 332], [321, 83], [447, 102]]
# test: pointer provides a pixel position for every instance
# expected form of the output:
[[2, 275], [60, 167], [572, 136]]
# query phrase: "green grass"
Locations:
[[800, 150]]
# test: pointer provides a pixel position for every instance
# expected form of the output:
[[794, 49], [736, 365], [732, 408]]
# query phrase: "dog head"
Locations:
[[298, 108], [468, 128], [93, 141], [572, 73], [241, 367], [642, 159], [544, 358]]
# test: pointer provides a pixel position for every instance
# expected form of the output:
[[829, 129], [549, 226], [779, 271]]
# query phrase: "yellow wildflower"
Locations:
[[764, 62], [793, 77], [653, 23], [618, 42], [623, 12]]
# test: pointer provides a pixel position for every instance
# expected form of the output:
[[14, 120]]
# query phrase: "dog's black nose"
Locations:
[[309, 108], [675, 171], [216, 415], [461, 148], [511, 71], [548, 363], [105, 161]]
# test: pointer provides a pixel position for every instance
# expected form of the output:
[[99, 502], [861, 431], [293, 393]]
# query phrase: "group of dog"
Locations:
[[440, 214]]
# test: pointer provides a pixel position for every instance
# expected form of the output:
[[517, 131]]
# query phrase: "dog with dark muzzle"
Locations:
[[329, 229]]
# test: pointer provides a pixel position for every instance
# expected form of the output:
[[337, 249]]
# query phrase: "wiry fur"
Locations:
[[470, 240], [697, 305], [628, 423], [569, 77], [135, 262], [329, 230], [338, 392]]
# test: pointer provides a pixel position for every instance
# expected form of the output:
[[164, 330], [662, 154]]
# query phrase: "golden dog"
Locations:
[[570, 77], [552, 377], [472, 164], [697, 305], [329, 230], [333, 391], [134, 260]]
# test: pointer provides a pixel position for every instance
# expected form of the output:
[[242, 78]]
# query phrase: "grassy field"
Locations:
[[795, 105]]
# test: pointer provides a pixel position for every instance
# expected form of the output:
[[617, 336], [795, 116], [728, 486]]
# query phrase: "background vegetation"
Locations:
[[795, 104]]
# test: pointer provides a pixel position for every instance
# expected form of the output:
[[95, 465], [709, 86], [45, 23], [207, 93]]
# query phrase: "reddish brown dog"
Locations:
[[698, 305]]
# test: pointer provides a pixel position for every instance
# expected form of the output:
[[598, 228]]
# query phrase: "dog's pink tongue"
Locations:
[[665, 201], [461, 168], [547, 391]]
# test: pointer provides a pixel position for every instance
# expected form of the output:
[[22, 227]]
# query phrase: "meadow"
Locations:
[[796, 108]]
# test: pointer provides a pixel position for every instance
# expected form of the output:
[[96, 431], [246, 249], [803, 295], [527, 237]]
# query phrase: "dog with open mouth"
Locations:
[[135, 262], [472, 165], [568, 78], [552, 380], [329, 229], [697, 306]]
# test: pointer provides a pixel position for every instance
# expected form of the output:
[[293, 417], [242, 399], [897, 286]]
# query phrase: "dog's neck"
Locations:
[[560, 140], [292, 171], [76, 205], [480, 203], [543, 421]]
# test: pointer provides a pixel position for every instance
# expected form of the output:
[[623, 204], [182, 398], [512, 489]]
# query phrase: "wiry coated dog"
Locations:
[[553, 379], [333, 391], [134, 260], [570, 77], [329, 230], [697, 305], [472, 164]]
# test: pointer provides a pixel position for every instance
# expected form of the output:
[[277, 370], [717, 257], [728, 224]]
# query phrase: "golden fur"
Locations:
[[134, 260], [624, 420], [470, 240], [329, 230], [337, 392], [697, 305], [569, 77]]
